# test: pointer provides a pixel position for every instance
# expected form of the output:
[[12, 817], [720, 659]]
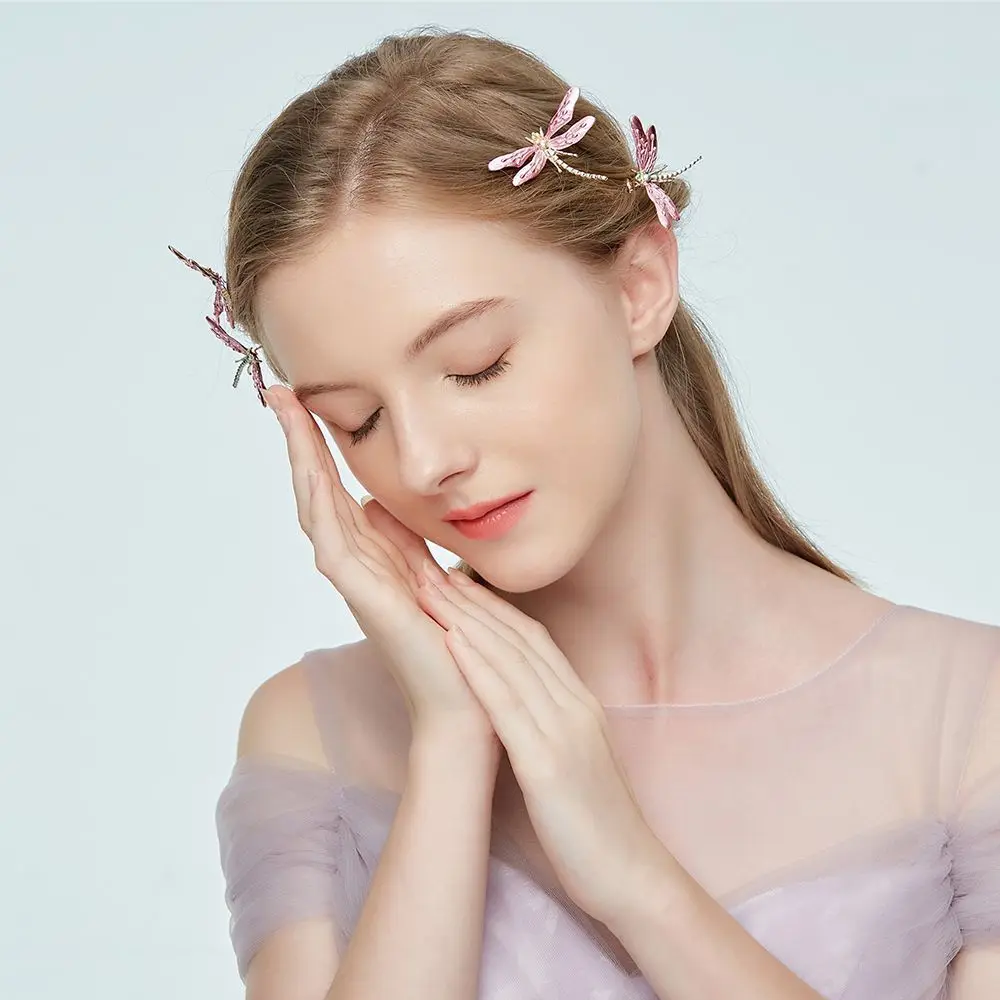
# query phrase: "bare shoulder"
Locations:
[[280, 715]]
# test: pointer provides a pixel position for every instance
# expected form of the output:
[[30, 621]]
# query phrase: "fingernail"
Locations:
[[458, 577]]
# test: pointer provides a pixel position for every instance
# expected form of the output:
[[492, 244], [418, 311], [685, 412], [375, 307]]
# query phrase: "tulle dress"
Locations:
[[851, 823]]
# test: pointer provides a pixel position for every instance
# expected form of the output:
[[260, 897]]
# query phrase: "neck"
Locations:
[[678, 599]]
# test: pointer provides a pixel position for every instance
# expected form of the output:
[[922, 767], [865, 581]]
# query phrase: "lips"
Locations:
[[480, 510], [496, 523]]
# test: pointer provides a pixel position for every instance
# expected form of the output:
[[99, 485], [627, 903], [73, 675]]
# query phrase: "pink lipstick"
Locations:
[[496, 522]]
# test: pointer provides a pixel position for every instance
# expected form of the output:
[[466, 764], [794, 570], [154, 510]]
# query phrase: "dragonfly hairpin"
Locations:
[[251, 359], [648, 176], [546, 146]]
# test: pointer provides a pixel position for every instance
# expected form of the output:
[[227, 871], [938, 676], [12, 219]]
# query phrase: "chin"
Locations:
[[526, 566], [516, 579]]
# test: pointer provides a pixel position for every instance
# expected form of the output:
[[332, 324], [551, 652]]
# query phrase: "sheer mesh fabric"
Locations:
[[850, 823]]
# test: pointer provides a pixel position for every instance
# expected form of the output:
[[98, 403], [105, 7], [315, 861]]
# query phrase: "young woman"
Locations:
[[648, 741]]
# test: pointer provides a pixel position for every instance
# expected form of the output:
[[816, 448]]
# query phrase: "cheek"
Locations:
[[580, 435], [599, 416], [354, 464], [373, 474]]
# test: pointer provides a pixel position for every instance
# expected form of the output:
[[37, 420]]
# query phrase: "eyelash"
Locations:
[[495, 370]]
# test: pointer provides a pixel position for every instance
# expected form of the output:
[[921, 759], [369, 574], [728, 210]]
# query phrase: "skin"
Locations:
[[630, 553]]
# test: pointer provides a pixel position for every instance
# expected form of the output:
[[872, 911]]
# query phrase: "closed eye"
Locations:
[[497, 368]]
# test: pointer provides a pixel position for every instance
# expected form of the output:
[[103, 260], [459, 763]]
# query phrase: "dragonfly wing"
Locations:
[[194, 265], [515, 159], [653, 145], [645, 144], [564, 112], [574, 133], [665, 208], [532, 169], [224, 337], [221, 302], [258, 380]]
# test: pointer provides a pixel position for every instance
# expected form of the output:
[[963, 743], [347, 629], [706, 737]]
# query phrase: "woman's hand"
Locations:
[[577, 796], [377, 565]]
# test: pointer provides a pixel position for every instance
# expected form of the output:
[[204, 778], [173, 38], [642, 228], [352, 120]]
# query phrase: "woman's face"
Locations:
[[555, 410]]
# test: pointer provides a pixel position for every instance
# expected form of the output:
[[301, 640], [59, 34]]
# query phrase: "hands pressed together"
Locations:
[[463, 655]]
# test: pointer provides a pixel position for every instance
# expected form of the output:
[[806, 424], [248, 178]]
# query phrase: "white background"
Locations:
[[842, 245]]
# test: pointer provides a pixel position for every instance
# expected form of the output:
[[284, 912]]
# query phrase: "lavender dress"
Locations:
[[850, 823]]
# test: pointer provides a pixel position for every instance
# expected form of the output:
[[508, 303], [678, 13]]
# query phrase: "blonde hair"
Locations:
[[414, 121]]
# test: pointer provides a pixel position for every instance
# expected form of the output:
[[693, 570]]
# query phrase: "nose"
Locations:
[[432, 448]]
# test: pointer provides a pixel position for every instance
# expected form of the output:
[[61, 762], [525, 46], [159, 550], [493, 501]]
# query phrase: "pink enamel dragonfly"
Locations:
[[546, 146], [221, 304], [648, 176]]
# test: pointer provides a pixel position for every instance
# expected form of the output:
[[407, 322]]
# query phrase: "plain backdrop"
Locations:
[[841, 244]]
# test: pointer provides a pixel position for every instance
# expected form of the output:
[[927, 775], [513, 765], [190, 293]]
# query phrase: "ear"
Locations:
[[646, 268]]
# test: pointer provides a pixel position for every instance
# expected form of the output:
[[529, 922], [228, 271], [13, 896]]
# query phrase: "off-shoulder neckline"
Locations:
[[843, 658]]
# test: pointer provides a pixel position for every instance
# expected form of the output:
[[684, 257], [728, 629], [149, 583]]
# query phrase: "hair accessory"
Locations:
[[545, 147], [648, 176], [222, 304]]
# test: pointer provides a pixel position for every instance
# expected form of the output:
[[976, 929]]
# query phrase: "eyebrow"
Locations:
[[448, 320]]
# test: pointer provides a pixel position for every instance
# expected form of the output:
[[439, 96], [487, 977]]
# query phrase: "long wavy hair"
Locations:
[[412, 122]]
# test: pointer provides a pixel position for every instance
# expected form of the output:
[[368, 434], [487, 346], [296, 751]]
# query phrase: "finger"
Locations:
[[377, 520], [528, 676], [412, 547], [337, 552], [368, 537], [510, 716], [308, 447], [303, 456], [349, 508], [531, 631], [297, 461], [463, 599]]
